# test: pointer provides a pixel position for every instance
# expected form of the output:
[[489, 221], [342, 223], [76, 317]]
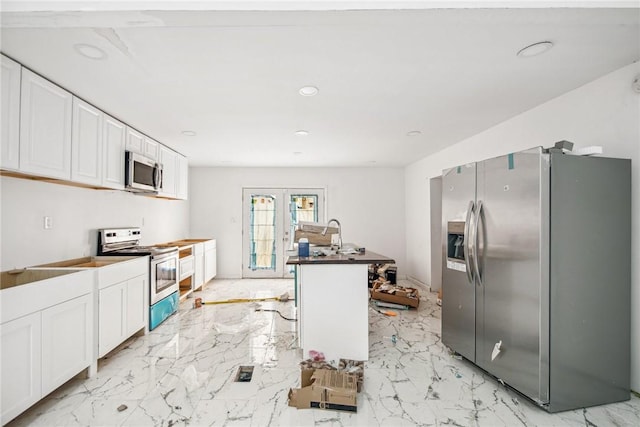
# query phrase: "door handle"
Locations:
[[476, 251], [467, 240]]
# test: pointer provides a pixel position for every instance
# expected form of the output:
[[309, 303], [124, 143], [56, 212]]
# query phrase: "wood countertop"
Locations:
[[367, 258]]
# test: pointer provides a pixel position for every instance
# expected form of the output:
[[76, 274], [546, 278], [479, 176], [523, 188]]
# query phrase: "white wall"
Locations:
[[604, 112], [368, 202], [77, 215]]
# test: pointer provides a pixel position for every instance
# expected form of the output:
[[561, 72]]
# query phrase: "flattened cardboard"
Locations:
[[326, 389]]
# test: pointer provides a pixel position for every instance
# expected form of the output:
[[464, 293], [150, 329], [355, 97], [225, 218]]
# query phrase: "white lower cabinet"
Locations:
[[122, 302], [111, 317], [210, 263], [66, 341], [137, 290], [46, 336], [198, 271], [21, 367]]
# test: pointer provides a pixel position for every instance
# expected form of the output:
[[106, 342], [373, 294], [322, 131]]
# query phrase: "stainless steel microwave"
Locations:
[[142, 174]]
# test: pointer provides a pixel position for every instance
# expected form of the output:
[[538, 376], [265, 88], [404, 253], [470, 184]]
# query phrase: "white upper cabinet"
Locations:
[[45, 128], [48, 132], [182, 178], [168, 160], [142, 144], [86, 143], [151, 148], [113, 141], [135, 141], [9, 156]]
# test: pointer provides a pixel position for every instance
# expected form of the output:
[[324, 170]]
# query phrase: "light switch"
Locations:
[[48, 222]]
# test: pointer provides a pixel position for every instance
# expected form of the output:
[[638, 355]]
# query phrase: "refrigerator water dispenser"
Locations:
[[455, 240]]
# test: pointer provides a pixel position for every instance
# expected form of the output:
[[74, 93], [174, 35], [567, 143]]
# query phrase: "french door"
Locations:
[[270, 216]]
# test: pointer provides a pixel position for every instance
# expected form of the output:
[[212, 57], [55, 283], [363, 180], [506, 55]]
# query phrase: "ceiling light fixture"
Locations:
[[90, 51], [414, 133], [188, 133], [297, 153], [308, 91], [302, 132], [535, 49]]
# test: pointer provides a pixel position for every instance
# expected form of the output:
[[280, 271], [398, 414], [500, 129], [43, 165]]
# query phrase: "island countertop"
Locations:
[[366, 258]]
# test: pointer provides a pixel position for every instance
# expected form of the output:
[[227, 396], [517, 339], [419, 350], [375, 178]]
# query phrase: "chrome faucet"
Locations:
[[324, 232]]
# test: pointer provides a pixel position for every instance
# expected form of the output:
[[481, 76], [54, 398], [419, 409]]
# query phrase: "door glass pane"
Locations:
[[262, 232], [302, 207]]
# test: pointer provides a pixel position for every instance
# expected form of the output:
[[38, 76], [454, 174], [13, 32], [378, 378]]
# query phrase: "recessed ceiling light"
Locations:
[[297, 153], [535, 49], [90, 51], [302, 132], [188, 133], [414, 133], [308, 91]]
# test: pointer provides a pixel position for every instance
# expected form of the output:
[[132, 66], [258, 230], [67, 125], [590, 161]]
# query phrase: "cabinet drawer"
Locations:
[[187, 266], [210, 244], [21, 300], [122, 271]]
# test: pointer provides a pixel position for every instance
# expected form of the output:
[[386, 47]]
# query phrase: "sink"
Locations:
[[12, 278]]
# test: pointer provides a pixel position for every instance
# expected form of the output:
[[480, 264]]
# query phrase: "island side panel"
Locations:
[[333, 311]]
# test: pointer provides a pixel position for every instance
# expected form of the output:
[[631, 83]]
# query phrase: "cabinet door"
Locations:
[[198, 274], [114, 136], [45, 128], [209, 264], [67, 337], [182, 191], [86, 143], [168, 160], [136, 304], [9, 156], [20, 343], [111, 317], [135, 141], [151, 148]]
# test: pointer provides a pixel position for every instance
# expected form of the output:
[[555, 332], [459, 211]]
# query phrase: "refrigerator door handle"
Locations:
[[467, 241], [476, 247]]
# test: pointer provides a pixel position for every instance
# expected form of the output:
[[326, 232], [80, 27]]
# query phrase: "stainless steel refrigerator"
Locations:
[[536, 274]]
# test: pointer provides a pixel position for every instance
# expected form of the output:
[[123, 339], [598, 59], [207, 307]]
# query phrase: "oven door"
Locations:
[[164, 276]]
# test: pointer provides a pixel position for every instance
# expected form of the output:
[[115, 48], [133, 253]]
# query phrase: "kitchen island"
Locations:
[[333, 303]]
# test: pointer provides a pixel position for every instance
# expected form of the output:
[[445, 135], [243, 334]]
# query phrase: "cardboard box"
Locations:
[[354, 367], [326, 389], [385, 291]]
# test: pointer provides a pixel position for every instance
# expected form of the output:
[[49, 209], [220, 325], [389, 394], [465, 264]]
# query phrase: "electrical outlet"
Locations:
[[48, 223]]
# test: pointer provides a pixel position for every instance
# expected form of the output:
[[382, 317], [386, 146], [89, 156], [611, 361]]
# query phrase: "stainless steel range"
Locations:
[[163, 268]]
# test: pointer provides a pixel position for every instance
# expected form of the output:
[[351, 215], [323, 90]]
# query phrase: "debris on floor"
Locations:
[[326, 389], [385, 291]]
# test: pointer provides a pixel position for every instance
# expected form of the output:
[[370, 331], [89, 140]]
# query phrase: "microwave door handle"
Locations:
[[476, 242], [467, 241], [157, 177]]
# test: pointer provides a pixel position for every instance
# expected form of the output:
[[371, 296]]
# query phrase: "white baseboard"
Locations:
[[418, 283]]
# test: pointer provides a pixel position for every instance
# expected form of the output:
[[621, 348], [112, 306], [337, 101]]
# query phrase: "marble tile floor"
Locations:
[[182, 374]]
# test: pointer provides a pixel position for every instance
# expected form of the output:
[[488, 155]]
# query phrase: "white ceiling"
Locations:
[[233, 76]]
